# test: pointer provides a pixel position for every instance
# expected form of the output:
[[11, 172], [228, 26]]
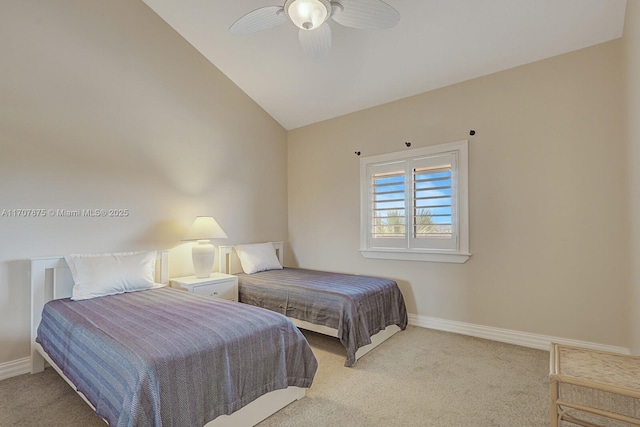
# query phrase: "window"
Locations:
[[414, 204]]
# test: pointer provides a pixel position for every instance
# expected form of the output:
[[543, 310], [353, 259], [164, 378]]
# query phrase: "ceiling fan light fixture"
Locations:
[[307, 14], [311, 16]]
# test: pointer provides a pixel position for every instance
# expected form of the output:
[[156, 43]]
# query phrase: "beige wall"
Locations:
[[631, 45], [103, 105], [548, 201]]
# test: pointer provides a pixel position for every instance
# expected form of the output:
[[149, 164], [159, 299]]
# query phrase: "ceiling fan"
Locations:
[[311, 17]]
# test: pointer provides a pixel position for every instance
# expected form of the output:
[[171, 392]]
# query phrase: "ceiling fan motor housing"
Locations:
[[308, 14]]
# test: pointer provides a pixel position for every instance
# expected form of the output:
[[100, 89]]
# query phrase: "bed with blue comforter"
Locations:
[[165, 357], [356, 306]]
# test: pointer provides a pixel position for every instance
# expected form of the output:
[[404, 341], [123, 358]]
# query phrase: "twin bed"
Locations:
[[361, 311], [160, 356], [164, 357]]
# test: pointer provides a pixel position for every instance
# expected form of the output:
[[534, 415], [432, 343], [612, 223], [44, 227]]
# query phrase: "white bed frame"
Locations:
[[229, 263], [51, 279]]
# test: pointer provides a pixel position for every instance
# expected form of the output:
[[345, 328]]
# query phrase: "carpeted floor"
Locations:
[[419, 377]]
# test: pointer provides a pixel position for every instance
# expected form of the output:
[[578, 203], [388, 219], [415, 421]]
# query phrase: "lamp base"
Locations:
[[203, 255]]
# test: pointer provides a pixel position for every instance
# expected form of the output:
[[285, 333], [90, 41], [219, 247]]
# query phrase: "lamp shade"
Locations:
[[204, 228], [203, 254]]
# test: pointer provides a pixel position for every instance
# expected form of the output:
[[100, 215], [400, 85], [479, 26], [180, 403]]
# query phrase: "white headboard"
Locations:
[[229, 263], [51, 279]]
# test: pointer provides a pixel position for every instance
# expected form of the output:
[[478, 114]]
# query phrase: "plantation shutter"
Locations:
[[414, 204], [433, 207], [432, 202], [388, 205]]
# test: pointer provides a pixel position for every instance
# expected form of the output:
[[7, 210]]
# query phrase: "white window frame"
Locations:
[[458, 251]]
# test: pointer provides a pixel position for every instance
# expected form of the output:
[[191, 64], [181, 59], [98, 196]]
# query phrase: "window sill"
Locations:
[[408, 255]]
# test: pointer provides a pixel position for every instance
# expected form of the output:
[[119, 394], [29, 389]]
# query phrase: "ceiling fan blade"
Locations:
[[258, 20], [316, 43], [365, 14]]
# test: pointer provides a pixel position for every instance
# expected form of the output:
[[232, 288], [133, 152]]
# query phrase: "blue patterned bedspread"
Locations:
[[357, 306], [165, 357]]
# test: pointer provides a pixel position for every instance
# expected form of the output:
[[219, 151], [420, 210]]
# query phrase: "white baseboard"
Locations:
[[15, 368], [525, 339]]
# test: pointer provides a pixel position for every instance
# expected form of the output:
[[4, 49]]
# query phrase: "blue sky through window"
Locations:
[[389, 193], [433, 193]]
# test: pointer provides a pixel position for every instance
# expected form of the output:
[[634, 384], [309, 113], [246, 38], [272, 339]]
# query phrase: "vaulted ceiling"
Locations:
[[435, 44]]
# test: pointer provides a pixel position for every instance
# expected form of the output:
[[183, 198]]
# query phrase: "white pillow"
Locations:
[[258, 257], [96, 275]]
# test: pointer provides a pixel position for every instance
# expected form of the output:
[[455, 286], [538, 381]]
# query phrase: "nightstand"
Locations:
[[218, 285]]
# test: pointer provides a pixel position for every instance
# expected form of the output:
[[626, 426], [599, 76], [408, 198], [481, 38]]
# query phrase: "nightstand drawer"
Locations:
[[217, 285], [224, 290]]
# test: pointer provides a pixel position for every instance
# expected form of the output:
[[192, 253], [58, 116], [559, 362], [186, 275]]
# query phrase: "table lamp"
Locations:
[[203, 229]]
